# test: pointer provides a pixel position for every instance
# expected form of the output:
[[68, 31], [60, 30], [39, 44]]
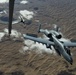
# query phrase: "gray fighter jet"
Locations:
[[61, 45], [4, 20]]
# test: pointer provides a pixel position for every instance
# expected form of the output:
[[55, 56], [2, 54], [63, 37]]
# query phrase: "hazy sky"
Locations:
[[3, 1]]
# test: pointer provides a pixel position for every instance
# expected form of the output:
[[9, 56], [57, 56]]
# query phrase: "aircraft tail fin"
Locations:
[[56, 28], [21, 19]]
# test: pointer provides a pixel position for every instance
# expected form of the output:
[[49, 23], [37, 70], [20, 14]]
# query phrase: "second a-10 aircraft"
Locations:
[[60, 44], [11, 22]]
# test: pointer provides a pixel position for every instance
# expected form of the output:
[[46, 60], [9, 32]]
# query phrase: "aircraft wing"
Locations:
[[40, 40], [70, 44], [17, 21]]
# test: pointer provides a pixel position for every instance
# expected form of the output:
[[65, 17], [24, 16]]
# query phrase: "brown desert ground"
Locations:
[[60, 12]]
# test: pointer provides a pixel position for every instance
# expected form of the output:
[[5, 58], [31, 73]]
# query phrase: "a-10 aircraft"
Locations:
[[19, 20], [61, 45]]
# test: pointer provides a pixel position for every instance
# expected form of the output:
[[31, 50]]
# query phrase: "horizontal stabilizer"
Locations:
[[70, 44]]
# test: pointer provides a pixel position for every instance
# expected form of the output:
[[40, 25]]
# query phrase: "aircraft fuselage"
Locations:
[[62, 50]]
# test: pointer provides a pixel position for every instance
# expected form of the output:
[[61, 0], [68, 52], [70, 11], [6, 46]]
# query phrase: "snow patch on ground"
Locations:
[[2, 34], [39, 48], [24, 2], [27, 14], [14, 34], [29, 45], [28, 42]]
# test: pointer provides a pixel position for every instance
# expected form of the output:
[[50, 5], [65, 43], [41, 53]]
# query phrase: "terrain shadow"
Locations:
[[72, 70], [1, 73], [65, 73], [17, 73]]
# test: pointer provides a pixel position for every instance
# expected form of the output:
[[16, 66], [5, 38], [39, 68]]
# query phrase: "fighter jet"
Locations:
[[4, 20], [60, 44], [10, 21]]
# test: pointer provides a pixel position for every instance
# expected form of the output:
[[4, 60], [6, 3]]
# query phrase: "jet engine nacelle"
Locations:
[[57, 35], [50, 33]]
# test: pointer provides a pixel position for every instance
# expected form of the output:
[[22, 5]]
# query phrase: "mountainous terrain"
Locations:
[[48, 12]]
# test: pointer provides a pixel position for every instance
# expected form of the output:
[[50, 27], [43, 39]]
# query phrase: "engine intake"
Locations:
[[59, 36]]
